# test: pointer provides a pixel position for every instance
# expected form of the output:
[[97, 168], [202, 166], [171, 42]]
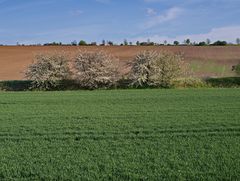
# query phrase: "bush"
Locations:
[[220, 43], [141, 68], [226, 82], [82, 43], [48, 70], [15, 85], [189, 83], [156, 69], [95, 70]]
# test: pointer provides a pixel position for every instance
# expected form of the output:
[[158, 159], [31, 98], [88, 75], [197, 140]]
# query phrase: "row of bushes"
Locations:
[[94, 70], [228, 82]]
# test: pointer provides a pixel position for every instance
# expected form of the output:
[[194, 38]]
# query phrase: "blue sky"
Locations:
[[41, 21]]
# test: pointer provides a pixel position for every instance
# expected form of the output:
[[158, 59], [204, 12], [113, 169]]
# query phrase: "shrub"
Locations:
[[141, 68], [156, 69], [236, 69], [48, 70], [15, 85], [220, 43], [82, 43], [96, 70], [225, 82], [189, 83]]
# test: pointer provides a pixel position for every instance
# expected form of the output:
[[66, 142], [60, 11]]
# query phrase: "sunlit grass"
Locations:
[[210, 68]]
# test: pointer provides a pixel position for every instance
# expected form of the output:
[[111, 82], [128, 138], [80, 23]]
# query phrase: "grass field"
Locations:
[[120, 135]]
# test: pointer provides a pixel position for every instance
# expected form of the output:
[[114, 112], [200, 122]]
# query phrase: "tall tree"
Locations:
[[188, 41], [103, 42], [208, 41], [125, 42], [238, 41], [176, 43]]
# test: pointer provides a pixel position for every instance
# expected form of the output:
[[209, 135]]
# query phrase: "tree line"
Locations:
[[186, 42]]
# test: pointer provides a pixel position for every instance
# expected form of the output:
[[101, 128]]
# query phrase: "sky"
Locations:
[[42, 21]]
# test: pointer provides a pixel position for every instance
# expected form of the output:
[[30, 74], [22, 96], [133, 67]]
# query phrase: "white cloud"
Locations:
[[229, 33], [169, 15], [151, 12]]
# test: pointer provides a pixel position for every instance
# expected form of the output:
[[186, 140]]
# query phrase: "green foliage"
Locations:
[[120, 135], [15, 85], [176, 43], [189, 83], [219, 43], [202, 43], [82, 43], [208, 41], [226, 82], [48, 70], [187, 41], [238, 41], [74, 43], [125, 42]]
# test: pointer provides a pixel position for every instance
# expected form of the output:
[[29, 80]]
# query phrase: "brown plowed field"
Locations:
[[14, 59]]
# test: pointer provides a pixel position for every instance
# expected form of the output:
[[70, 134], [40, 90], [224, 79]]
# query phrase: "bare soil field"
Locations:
[[204, 61]]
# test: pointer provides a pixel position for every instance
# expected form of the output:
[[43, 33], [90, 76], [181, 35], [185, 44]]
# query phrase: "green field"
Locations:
[[120, 135]]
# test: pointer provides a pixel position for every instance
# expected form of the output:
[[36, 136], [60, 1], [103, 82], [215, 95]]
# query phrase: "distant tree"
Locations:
[[208, 41], [82, 43], [93, 44], [74, 43], [110, 43], [202, 43], [220, 43], [143, 43], [176, 43], [103, 43], [52, 44], [188, 41], [151, 44], [130, 43], [148, 41], [165, 42], [125, 42], [238, 41], [137, 43]]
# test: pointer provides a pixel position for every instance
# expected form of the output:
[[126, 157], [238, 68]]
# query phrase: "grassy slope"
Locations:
[[124, 134]]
